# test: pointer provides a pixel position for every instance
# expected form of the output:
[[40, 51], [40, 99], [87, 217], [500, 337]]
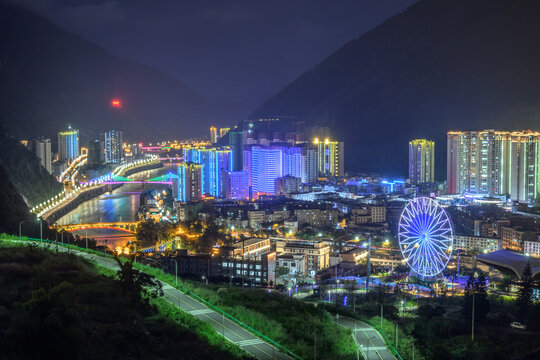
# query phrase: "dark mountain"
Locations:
[[50, 77], [439, 65]]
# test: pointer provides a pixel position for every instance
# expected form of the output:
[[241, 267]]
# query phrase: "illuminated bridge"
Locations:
[[126, 226], [166, 179]]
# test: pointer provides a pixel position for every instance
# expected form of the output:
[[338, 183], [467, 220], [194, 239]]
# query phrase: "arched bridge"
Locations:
[[126, 226], [166, 179]]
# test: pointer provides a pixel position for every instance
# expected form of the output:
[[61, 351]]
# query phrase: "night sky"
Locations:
[[243, 50]]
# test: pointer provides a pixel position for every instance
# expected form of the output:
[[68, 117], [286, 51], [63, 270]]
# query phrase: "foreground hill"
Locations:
[[439, 65], [50, 77], [58, 304]]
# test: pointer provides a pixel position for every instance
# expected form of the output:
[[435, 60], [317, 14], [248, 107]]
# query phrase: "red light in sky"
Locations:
[[116, 103]]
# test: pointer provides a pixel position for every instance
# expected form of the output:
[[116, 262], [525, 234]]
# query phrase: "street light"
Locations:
[[20, 227], [41, 230], [381, 313], [175, 271]]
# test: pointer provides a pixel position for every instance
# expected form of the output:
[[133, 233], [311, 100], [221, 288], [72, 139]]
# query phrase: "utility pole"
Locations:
[[368, 263], [381, 314], [397, 339], [315, 349], [86, 238], [175, 271], [472, 326], [41, 231]]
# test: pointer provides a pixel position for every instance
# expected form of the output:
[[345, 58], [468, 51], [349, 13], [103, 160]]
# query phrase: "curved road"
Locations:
[[230, 330], [369, 340]]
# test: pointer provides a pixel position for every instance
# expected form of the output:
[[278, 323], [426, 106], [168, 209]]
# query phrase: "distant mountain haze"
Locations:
[[50, 77], [440, 65]]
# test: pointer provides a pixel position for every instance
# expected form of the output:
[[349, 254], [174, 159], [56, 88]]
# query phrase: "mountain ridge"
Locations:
[[51, 77], [439, 65]]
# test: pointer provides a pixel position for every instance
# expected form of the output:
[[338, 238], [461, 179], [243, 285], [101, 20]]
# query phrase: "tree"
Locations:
[[524, 300], [281, 271], [477, 287], [135, 282]]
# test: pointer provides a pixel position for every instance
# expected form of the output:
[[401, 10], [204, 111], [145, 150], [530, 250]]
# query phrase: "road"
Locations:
[[229, 329], [368, 339]]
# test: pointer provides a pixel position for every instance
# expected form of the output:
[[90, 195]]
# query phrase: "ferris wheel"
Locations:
[[425, 236]]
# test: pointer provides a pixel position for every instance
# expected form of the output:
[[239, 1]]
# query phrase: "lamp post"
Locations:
[[381, 313], [41, 231], [175, 271], [20, 230]]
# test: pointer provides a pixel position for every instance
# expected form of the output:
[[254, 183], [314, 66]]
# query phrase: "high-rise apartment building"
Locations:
[[266, 167], [189, 182], [213, 135], [421, 161], [95, 154], [237, 149], [42, 148], [311, 168], [236, 185], [213, 161], [330, 157], [525, 166], [68, 145], [477, 161], [497, 162], [287, 185], [113, 150], [223, 132]]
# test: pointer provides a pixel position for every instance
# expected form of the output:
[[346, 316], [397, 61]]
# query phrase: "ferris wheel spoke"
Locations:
[[425, 236]]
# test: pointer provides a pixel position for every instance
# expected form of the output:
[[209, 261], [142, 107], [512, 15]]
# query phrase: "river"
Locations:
[[119, 205]]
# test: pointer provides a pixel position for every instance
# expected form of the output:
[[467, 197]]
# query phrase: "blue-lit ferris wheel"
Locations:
[[425, 236]]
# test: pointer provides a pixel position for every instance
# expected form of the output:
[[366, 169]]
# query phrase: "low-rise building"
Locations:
[[256, 218], [296, 263], [251, 247], [512, 238], [369, 214], [479, 243], [531, 248], [317, 252], [317, 217], [259, 269]]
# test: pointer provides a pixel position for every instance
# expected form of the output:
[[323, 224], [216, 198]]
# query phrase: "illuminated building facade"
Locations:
[[113, 151], [525, 166], [213, 135], [477, 162], [266, 167], [235, 185], [68, 145], [311, 168], [330, 157], [421, 161], [214, 162], [189, 182], [496, 162], [237, 149]]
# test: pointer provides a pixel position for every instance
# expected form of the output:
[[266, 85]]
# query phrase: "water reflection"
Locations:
[[119, 205]]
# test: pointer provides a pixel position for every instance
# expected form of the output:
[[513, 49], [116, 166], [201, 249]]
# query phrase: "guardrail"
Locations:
[[229, 316], [392, 348]]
